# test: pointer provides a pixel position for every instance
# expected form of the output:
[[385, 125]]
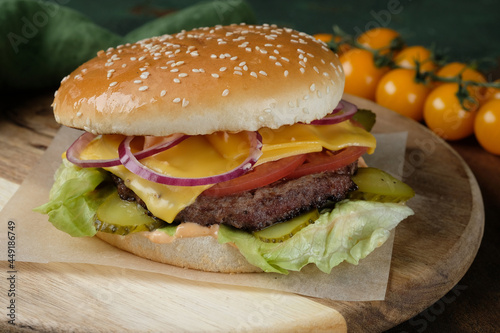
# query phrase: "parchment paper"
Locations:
[[38, 241]]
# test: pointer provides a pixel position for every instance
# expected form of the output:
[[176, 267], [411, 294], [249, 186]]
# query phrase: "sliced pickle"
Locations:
[[280, 232], [117, 216], [366, 118], [377, 185]]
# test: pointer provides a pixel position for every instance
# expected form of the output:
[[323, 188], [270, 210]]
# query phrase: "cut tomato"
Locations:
[[327, 160], [261, 175]]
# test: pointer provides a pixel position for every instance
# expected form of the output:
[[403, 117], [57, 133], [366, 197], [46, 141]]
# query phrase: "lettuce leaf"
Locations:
[[349, 233], [73, 199]]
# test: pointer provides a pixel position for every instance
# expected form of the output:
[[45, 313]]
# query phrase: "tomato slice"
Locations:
[[261, 175], [327, 160]]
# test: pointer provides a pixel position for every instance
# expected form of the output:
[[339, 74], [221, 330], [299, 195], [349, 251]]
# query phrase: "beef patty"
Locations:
[[261, 207]]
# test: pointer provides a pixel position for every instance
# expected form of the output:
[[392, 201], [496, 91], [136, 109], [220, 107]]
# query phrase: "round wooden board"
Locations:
[[432, 251]]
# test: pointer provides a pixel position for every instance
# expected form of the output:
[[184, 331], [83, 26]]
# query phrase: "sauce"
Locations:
[[184, 230]]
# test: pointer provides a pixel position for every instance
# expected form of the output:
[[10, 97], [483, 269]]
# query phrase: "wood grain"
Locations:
[[432, 251]]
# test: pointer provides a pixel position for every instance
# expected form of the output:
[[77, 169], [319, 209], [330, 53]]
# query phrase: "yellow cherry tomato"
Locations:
[[445, 116], [408, 57], [492, 93], [397, 90], [325, 37], [454, 68], [361, 74], [487, 126], [378, 39], [468, 74]]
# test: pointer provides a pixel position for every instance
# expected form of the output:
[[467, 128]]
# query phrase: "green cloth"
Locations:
[[41, 42]]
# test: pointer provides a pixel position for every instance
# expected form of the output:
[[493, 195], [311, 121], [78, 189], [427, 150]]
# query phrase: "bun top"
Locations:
[[225, 78]]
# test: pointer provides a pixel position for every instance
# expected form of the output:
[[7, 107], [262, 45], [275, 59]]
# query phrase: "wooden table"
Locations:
[[27, 128]]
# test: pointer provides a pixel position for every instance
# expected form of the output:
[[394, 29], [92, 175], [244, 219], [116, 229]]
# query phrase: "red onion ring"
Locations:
[[343, 111], [73, 152], [131, 163]]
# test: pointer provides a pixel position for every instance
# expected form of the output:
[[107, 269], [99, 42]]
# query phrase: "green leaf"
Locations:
[[349, 233], [74, 199]]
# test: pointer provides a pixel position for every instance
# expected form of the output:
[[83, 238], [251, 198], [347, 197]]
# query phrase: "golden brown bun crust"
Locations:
[[201, 253], [230, 78]]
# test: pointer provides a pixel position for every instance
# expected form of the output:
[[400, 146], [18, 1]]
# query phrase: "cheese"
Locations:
[[207, 155]]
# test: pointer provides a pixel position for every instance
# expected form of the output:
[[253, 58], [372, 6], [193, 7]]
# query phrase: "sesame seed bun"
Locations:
[[201, 253], [230, 78]]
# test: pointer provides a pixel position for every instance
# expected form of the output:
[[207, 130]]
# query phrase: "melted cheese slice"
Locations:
[[207, 155]]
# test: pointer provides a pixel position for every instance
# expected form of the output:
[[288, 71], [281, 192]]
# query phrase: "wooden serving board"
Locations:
[[432, 251]]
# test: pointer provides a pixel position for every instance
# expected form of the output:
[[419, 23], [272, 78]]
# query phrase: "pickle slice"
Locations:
[[366, 118], [117, 216], [377, 185], [280, 232]]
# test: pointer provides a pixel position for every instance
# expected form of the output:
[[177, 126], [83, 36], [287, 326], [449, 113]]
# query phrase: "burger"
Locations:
[[223, 149]]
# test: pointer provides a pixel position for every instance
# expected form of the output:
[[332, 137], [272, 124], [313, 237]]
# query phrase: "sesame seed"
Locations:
[[112, 84], [237, 73], [175, 70], [300, 51], [137, 81], [176, 100], [213, 56], [124, 65], [243, 63], [245, 68], [234, 58], [253, 74], [142, 58], [185, 102], [312, 87], [195, 54], [183, 75], [215, 75], [302, 70], [248, 49], [237, 68], [272, 57], [164, 67], [144, 75], [178, 63], [79, 114], [176, 80], [263, 51], [225, 92], [316, 69], [286, 59], [195, 70], [143, 88], [277, 63], [163, 93], [222, 69], [262, 73], [142, 69], [285, 73]]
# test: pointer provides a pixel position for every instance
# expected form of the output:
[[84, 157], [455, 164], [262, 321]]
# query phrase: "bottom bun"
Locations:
[[201, 253]]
